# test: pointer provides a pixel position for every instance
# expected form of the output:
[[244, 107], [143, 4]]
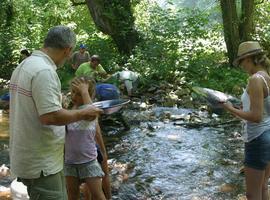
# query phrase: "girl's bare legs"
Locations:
[[86, 193], [94, 186], [254, 183], [265, 195], [106, 185], [72, 188]]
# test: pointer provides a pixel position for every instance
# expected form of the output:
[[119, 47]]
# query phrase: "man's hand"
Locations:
[[63, 117], [91, 112]]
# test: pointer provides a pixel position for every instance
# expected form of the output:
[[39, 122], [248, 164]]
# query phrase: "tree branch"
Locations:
[[74, 3]]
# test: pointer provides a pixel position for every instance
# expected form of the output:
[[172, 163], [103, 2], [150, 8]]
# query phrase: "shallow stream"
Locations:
[[158, 159]]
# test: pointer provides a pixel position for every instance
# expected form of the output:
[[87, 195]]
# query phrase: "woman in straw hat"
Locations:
[[256, 115]]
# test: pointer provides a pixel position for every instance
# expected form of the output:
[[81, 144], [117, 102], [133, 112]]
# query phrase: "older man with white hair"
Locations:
[[37, 118]]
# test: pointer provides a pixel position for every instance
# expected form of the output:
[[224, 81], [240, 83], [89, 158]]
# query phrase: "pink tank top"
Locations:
[[80, 145]]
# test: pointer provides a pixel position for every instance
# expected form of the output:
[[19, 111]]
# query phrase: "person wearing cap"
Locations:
[[92, 69], [79, 57], [256, 116]]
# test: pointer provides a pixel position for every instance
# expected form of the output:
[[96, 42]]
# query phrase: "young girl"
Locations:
[[256, 115], [80, 148]]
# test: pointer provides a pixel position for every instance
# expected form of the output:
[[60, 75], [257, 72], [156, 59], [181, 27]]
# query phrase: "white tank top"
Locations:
[[253, 130]]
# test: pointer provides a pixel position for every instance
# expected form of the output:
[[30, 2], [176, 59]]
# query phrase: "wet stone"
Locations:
[[227, 187]]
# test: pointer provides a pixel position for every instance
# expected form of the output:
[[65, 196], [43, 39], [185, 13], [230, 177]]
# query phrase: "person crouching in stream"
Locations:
[[256, 115], [81, 163]]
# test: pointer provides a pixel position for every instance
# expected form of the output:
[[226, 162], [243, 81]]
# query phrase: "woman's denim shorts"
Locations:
[[257, 152]]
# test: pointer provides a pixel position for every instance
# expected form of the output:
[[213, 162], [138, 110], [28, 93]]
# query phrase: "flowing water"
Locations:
[[157, 159]]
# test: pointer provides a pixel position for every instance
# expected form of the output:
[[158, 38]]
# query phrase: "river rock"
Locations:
[[151, 134], [150, 127], [177, 117], [179, 123], [195, 119], [186, 102], [165, 115], [171, 100], [227, 187]]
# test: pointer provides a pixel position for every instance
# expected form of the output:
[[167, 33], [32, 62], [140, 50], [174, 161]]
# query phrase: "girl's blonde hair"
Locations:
[[91, 82], [263, 60]]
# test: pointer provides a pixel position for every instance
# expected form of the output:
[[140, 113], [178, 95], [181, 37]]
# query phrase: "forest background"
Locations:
[[190, 42]]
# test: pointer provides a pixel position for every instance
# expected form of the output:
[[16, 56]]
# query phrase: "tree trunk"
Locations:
[[115, 18], [246, 23], [237, 28], [231, 27]]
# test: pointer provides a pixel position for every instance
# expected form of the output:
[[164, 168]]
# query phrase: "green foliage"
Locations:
[[24, 24], [205, 71], [6, 35], [182, 42], [262, 26], [25, 27], [177, 42]]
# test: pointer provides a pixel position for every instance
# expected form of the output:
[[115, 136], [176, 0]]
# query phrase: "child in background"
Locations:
[[80, 148]]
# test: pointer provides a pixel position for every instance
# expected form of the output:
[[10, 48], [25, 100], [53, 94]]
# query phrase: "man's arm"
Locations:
[[101, 72], [63, 116]]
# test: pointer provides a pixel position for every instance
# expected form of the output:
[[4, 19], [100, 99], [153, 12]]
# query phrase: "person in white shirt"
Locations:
[[129, 79]]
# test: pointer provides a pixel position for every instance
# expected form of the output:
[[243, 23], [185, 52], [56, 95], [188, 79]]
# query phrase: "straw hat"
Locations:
[[246, 49]]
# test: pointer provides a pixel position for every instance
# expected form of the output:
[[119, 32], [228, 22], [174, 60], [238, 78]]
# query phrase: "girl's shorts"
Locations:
[[85, 170], [257, 152]]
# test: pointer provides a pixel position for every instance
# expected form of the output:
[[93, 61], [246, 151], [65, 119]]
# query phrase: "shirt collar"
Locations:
[[42, 54]]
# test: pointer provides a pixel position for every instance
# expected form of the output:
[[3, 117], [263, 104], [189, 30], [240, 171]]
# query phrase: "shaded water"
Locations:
[[158, 160], [173, 162]]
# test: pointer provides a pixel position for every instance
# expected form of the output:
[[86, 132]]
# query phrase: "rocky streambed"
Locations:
[[168, 152]]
